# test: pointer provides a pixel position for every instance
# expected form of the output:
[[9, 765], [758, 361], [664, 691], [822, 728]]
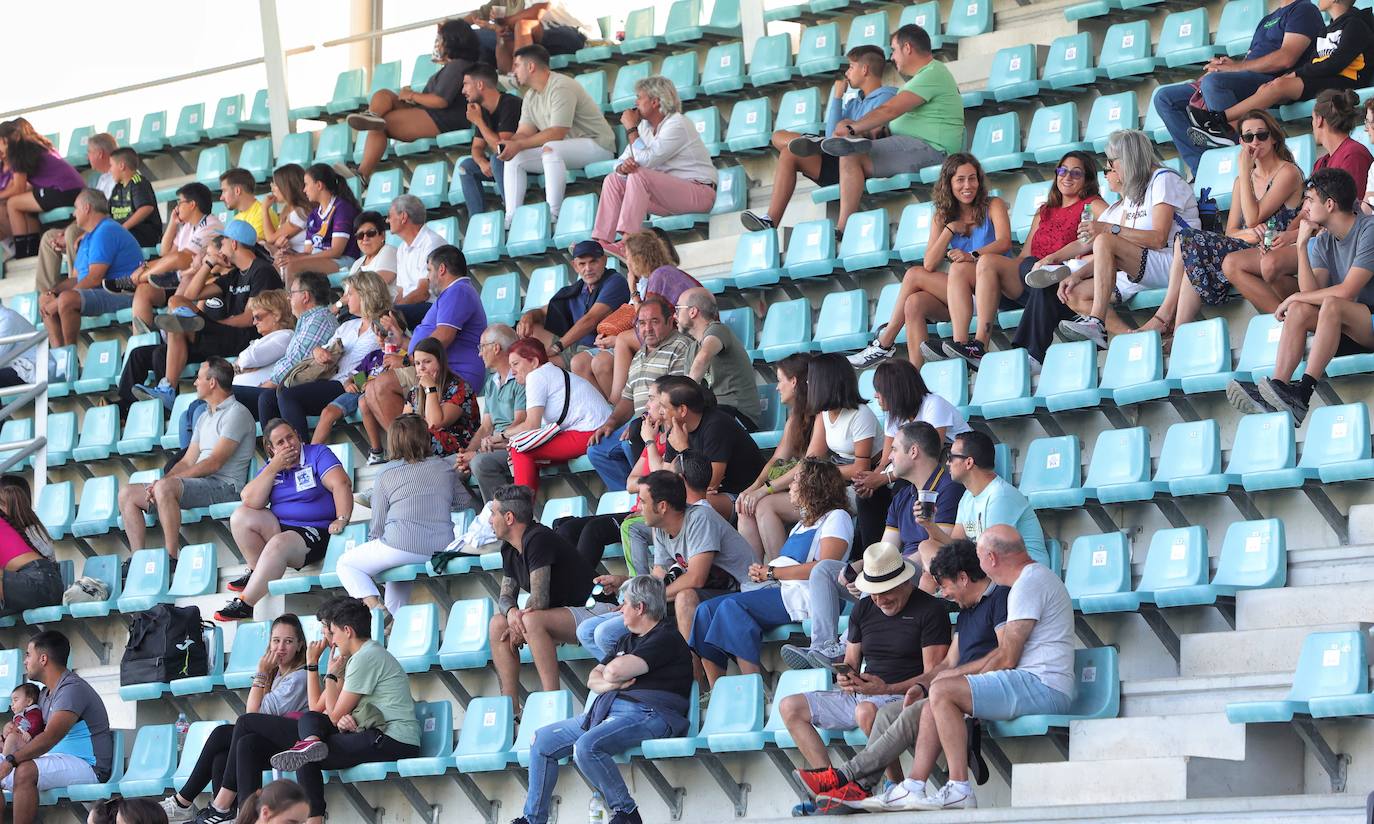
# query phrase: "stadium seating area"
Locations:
[[1218, 563]]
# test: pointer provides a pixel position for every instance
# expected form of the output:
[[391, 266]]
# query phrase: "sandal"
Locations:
[[1165, 326]]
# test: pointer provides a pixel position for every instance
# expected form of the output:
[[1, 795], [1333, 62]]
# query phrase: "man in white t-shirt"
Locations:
[[406, 217], [1029, 673]]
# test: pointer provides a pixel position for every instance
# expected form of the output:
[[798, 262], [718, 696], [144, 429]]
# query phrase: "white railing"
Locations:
[[18, 397]]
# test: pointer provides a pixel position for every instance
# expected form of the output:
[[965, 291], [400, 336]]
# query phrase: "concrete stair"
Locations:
[[1298, 606], [1248, 651]]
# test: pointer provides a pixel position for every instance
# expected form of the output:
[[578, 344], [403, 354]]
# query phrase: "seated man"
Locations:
[[183, 247], [561, 128], [665, 351], [58, 243], [925, 118], [1280, 40], [212, 471], [665, 170], [558, 579], [132, 200], [495, 116], [1334, 297], [568, 323], [644, 685], [886, 630], [722, 362], [801, 153], [236, 193], [106, 251], [504, 28], [406, 219], [917, 451], [209, 315], [75, 746], [982, 614], [503, 403], [717, 434]]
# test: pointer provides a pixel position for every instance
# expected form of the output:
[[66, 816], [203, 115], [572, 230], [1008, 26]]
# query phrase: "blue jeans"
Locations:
[[611, 458], [592, 751], [1220, 90], [599, 634], [188, 422], [827, 600], [470, 177]]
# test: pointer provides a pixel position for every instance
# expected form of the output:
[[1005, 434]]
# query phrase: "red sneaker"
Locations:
[[834, 799], [305, 752], [818, 781]]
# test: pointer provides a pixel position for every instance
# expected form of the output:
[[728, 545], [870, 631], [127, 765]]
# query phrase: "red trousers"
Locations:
[[562, 448]]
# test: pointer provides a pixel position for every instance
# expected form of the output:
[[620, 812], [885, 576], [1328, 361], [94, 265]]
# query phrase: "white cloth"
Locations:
[[544, 388], [796, 594], [359, 565], [358, 340], [298, 240], [411, 259], [57, 769], [383, 261], [105, 183], [850, 425], [1038, 595], [260, 357], [937, 412], [1168, 187], [553, 159], [558, 13], [675, 149]]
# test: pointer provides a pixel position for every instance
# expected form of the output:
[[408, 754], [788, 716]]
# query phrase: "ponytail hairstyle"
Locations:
[[276, 797], [800, 419], [325, 175], [1340, 108]]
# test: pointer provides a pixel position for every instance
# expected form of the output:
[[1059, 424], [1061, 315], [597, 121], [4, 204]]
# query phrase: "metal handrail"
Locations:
[[421, 24]]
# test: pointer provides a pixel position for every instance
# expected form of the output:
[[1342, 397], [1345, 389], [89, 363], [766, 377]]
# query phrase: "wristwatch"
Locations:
[[974, 254], [1116, 228], [14, 762], [430, 390]]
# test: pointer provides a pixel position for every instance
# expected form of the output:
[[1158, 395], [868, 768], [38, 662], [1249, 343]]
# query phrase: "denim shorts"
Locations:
[[99, 302], [200, 492], [347, 401], [1002, 695], [35, 584]]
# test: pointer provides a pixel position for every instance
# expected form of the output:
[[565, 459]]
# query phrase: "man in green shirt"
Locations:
[[925, 120]]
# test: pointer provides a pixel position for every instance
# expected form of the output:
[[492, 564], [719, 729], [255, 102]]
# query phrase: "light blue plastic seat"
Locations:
[[296, 148], [348, 92], [121, 130], [100, 368], [997, 142], [1029, 198], [1217, 171], [57, 508], [26, 304], [1254, 555], [913, 235], [436, 740], [530, 231], [756, 260], [1126, 51], [723, 71], [335, 146], [142, 427], [192, 685], [171, 435], [1237, 26], [1068, 377], [76, 146], [190, 126], [384, 187], [639, 32], [786, 330], [250, 644], [152, 133], [190, 751], [1097, 695], [99, 509], [684, 21], [595, 85], [1134, 370], [1013, 74], [1069, 64], [819, 50], [1110, 113], [197, 572], [772, 417], [1183, 39], [64, 374], [228, 120], [575, 220], [732, 191], [466, 644], [741, 322], [1200, 360], [800, 111], [865, 243], [751, 127], [544, 282], [484, 743], [948, 379], [1264, 452], [1332, 665], [842, 325], [1119, 470], [259, 115], [1154, 123], [11, 668], [485, 238], [1338, 444], [256, 158], [416, 645], [446, 228], [541, 709], [1259, 349], [1098, 573], [1190, 460], [429, 182], [968, 18], [152, 762], [869, 30], [1051, 473], [1053, 131], [13, 431], [811, 250], [772, 61], [555, 508], [735, 714], [147, 583], [882, 313], [623, 92], [1304, 148], [1003, 386], [793, 682]]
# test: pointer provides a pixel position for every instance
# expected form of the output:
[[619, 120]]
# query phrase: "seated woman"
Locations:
[[328, 230], [570, 406], [367, 298], [1265, 199], [504, 28], [30, 579], [281, 802], [40, 180], [778, 471], [374, 253], [445, 401], [315, 325], [967, 224], [288, 209], [412, 501], [732, 626], [300, 498], [16, 502], [410, 115], [844, 433], [227, 762], [1342, 58]]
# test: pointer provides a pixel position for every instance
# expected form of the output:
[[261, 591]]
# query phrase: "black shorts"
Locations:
[[316, 541], [830, 170], [217, 339], [49, 199], [1313, 86], [449, 120], [562, 39]]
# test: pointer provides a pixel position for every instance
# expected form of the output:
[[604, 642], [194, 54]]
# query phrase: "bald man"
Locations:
[[722, 362]]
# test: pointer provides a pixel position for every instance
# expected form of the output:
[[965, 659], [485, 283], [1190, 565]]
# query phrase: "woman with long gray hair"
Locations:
[[666, 168]]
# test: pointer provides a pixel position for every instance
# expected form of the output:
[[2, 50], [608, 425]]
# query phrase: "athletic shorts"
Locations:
[[202, 492], [316, 541], [834, 709], [49, 198]]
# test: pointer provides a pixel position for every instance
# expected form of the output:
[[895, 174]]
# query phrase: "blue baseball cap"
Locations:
[[241, 231], [588, 248]]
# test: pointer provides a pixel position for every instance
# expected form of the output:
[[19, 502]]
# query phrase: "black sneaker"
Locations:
[[118, 286], [1287, 397], [165, 280], [971, 351], [933, 351], [240, 583], [1210, 130], [235, 610], [755, 223], [210, 815], [632, 817], [807, 145], [1246, 399]]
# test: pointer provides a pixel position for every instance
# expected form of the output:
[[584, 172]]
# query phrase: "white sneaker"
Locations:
[[1048, 276], [1085, 329], [897, 798], [175, 812], [871, 354], [947, 797]]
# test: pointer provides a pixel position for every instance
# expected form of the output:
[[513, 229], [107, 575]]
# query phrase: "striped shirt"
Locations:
[[313, 329], [671, 357], [411, 503]]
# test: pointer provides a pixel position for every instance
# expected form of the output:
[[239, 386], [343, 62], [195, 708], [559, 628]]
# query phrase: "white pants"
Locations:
[[58, 769], [553, 159], [357, 566]]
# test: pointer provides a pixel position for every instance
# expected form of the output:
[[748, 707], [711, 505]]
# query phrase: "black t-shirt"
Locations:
[[892, 645], [448, 83], [977, 626], [506, 116], [127, 198], [240, 285], [722, 439], [668, 657], [570, 577]]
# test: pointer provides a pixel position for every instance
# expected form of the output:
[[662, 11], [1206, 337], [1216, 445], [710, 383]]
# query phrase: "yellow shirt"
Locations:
[[254, 216]]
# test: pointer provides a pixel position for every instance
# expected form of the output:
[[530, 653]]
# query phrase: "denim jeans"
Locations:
[[600, 633], [592, 750], [1220, 90], [611, 459], [827, 597], [471, 178]]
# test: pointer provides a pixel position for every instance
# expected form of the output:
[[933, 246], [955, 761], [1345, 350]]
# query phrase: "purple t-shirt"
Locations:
[[55, 173], [341, 217], [460, 307], [299, 496]]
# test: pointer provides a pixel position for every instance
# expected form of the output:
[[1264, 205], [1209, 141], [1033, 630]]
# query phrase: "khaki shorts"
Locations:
[[405, 376]]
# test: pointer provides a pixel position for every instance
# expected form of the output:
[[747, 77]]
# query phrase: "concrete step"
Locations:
[[1273, 650], [1330, 565], [1298, 606], [1190, 696], [1156, 736], [1174, 778]]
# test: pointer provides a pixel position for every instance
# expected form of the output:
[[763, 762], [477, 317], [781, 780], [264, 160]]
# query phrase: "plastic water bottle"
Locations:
[[596, 810], [1271, 233], [182, 727]]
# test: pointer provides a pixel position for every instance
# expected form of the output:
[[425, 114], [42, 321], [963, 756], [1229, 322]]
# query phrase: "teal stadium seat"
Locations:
[[786, 330], [869, 30], [1200, 360], [1110, 113], [11, 668], [260, 115], [99, 509], [122, 130], [681, 71], [198, 684], [968, 18], [544, 282], [335, 142], [913, 234], [1029, 198], [1190, 460], [842, 325], [1003, 387], [1259, 349], [416, 645], [639, 32], [772, 417], [1119, 470], [466, 643], [1134, 370], [556, 508], [1098, 695], [99, 434], [800, 111], [1053, 132], [501, 297], [446, 228], [76, 146], [772, 61], [13, 431], [100, 368], [1051, 473], [684, 21], [1126, 51], [1069, 64], [190, 126], [296, 148], [26, 304], [1098, 573], [485, 239], [106, 789], [1183, 39], [171, 436], [997, 143], [1013, 74], [152, 762], [1217, 171], [256, 158], [62, 437], [741, 322], [211, 163], [948, 379], [623, 92], [147, 583], [436, 740], [541, 709], [384, 187], [250, 644], [57, 508], [723, 71], [429, 182], [1237, 26], [152, 133], [1337, 447], [385, 76], [1304, 148], [595, 85], [422, 70], [1332, 675], [1154, 123], [530, 232], [811, 250], [191, 749], [484, 742], [228, 119], [927, 16], [1254, 555], [64, 375], [791, 682], [819, 50], [197, 572], [865, 243], [756, 261], [734, 714], [347, 97]]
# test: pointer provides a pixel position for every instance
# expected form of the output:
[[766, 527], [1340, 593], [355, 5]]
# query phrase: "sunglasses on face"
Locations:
[[955, 456], [1070, 173], [366, 234], [1250, 137]]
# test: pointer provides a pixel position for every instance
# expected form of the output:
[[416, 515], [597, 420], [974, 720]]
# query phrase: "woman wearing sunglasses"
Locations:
[[375, 254], [1265, 198]]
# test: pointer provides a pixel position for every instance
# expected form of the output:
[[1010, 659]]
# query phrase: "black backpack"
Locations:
[[165, 643]]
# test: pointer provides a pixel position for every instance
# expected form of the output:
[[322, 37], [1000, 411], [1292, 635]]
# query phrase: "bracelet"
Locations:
[[331, 677], [768, 487], [312, 667]]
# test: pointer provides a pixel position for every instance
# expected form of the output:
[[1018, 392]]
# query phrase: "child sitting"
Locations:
[[28, 719]]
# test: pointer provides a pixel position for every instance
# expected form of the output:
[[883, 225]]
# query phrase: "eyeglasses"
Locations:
[[955, 456], [1250, 137], [366, 234], [1070, 173], [258, 316]]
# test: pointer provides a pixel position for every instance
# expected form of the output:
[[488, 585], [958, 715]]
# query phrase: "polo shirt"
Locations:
[[977, 625], [411, 259], [671, 357], [233, 421], [110, 244], [612, 290], [503, 398]]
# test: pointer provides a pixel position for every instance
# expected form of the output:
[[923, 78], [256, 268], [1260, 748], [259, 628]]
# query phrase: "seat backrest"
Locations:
[[811, 241], [1185, 29], [750, 118], [869, 30], [429, 179], [147, 573], [1068, 367], [191, 120], [773, 412], [732, 190], [614, 501], [968, 17], [384, 187], [843, 313], [1109, 113], [62, 433], [913, 232], [1237, 25], [446, 228], [1331, 663], [197, 571], [772, 52], [1098, 694], [1098, 565], [76, 145], [155, 753], [1051, 464], [595, 85], [707, 123], [755, 252], [1304, 148], [681, 69], [639, 23], [794, 682], [102, 358], [256, 158], [415, 631], [544, 282], [488, 726], [1336, 434], [926, 15], [17, 430], [555, 508], [121, 130], [788, 321], [865, 232], [531, 222], [1013, 64], [1254, 554], [623, 93], [335, 143], [1052, 126], [1072, 52], [683, 14], [818, 43], [1202, 347], [250, 644], [800, 110], [541, 709], [11, 669], [466, 629], [1003, 375], [948, 379], [348, 85], [436, 728], [1120, 456], [724, 65], [486, 230], [295, 148], [1125, 41], [1216, 170], [1191, 448], [153, 128], [422, 70], [386, 76], [1029, 198], [229, 110], [999, 134], [741, 322], [1177, 558], [1260, 348], [736, 705]]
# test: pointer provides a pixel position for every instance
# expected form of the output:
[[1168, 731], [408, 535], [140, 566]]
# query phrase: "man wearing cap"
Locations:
[[569, 320], [209, 314], [885, 630]]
